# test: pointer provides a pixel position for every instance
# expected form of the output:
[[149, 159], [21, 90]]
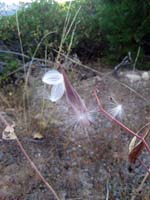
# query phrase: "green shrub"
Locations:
[[35, 21], [104, 28], [126, 25], [10, 64]]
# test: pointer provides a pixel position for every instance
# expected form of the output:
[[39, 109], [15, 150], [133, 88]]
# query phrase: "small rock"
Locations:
[[10, 93], [133, 77], [38, 136], [145, 76]]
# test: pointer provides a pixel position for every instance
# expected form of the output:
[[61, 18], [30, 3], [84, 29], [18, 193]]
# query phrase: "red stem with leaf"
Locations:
[[110, 117]]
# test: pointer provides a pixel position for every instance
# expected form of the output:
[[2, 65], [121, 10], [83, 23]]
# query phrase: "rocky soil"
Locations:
[[81, 163]]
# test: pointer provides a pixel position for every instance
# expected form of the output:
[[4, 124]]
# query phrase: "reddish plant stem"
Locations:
[[36, 170], [143, 164], [30, 161], [110, 117]]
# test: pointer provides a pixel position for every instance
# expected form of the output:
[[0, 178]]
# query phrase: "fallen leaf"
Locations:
[[132, 144], [136, 149]]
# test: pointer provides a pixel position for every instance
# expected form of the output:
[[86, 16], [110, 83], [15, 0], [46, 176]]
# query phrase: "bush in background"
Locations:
[[126, 26], [104, 28]]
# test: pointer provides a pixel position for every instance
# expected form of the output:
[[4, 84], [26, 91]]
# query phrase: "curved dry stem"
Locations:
[[20, 40], [36, 170], [132, 90], [147, 124], [139, 189], [2, 118]]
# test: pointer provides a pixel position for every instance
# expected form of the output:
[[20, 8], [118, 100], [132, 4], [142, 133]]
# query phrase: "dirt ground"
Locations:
[[80, 163]]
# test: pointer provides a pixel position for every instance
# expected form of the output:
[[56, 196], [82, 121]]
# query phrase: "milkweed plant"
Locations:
[[61, 85]]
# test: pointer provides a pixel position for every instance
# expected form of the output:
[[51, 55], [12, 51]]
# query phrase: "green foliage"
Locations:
[[10, 64], [125, 24], [103, 28], [35, 21]]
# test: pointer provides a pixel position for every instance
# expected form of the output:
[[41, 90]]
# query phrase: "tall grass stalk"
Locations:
[[23, 59], [66, 30], [137, 57]]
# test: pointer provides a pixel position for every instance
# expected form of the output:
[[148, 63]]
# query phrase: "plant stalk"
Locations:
[[110, 117]]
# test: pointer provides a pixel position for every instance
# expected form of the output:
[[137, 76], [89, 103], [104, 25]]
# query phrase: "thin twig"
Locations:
[[80, 64], [23, 59], [144, 165], [25, 92], [147, 124], [28, 72], [107, 193], [73, 61], [15, 53], [24, 55], [139, 189], [136, 59], [36, 170], [20, 40], [102, 75], [132, 90]]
